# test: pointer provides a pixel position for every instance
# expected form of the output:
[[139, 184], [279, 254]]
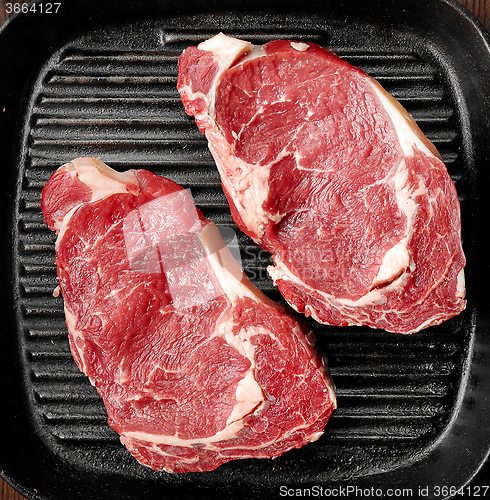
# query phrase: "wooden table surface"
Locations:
[[481, 9]]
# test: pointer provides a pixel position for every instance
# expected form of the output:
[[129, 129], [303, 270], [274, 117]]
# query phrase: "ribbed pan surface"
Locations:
[[112, 93]]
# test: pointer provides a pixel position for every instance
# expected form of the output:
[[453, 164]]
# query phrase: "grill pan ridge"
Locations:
[[110, 91]]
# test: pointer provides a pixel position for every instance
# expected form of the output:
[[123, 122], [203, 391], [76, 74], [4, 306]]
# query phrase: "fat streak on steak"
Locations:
[[195, 366], [328, 172]]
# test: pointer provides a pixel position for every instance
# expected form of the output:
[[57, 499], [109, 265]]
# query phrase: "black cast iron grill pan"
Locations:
[[109, 91]]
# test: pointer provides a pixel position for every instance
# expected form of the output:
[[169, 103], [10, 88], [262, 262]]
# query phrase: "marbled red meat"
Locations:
[[195, 366], [328, 173]]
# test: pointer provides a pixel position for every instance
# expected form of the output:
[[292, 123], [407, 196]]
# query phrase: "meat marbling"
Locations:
[[195, 366], [330, 174]]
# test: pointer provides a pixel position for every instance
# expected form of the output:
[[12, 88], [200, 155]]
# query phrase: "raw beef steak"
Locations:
[[195, 366], [329, 174]]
